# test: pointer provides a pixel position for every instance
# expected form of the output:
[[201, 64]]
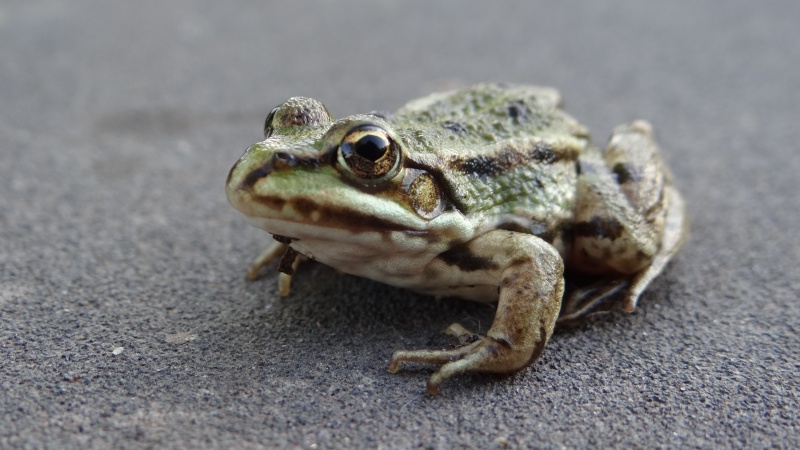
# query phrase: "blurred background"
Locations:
[[124, 314]]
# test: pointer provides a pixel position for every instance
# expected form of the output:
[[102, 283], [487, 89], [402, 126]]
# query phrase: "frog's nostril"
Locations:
[[279, 161], [283, 160]]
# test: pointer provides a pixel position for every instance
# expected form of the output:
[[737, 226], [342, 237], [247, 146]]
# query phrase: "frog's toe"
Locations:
[[284, 284], [429, 356], [489, 356], [467, 340], [463, 335], [483, 355], [470, 362], [592, 298]]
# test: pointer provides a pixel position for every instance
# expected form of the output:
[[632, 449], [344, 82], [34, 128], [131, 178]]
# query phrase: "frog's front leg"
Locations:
[[529, 274], [273, 250], [287, 268]]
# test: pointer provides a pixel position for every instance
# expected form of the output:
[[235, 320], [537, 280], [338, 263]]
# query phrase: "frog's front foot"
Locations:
[[531, 284], [289, 263], [483, 354]]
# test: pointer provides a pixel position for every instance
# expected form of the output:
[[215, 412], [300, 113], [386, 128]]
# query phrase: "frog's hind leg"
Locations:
[[629, 219], [587, 299], [676, 231]]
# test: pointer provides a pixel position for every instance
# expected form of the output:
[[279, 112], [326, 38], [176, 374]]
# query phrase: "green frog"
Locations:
[[490, 193]]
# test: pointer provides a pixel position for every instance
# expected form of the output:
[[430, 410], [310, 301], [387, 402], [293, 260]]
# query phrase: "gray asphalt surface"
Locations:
[[125, 319]]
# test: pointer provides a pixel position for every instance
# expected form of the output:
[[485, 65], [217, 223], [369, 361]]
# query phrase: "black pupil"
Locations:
[[371, 147]]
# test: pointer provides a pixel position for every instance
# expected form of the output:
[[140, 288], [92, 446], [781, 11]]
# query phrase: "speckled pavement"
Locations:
[[125, 319]]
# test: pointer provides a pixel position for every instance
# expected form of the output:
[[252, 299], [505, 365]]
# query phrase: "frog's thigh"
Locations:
[[530, 274], [621, 206]]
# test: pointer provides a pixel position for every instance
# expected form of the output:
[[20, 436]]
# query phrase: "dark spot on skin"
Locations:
[[642, 256], [253, 177], [598, 227], [302, 116], [537, 351], [287, 260], [485, 166], [275, 203], [304, 206], [461, 257], [518, 111], [455, 127], [507, 159], [625, 173], [518, 262], [544, 154], [480, 166]]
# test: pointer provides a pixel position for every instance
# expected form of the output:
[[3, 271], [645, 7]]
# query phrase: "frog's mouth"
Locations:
[[279, 200]]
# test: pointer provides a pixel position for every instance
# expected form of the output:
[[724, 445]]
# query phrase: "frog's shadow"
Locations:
[[333, 318], [362, 322], [367, 309], [323, 296]]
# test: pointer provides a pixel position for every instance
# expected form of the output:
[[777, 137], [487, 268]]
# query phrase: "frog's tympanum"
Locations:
[[490, 193]]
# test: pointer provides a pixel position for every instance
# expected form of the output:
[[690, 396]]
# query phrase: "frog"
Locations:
[[490, 193]]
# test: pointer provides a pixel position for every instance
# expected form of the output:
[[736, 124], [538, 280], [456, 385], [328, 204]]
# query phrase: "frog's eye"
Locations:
[[369, 153], [268, 128]]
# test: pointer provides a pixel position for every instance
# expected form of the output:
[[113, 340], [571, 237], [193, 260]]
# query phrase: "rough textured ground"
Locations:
[[125, 320]]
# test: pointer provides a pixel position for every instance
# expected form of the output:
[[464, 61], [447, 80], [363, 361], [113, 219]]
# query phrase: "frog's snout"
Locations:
[[256, 174], [279, 161]]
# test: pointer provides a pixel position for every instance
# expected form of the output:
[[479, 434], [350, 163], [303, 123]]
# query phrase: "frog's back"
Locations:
[[479, 102], [506, 153]]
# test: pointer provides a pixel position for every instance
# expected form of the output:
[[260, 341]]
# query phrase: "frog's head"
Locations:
[[313, 176]]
